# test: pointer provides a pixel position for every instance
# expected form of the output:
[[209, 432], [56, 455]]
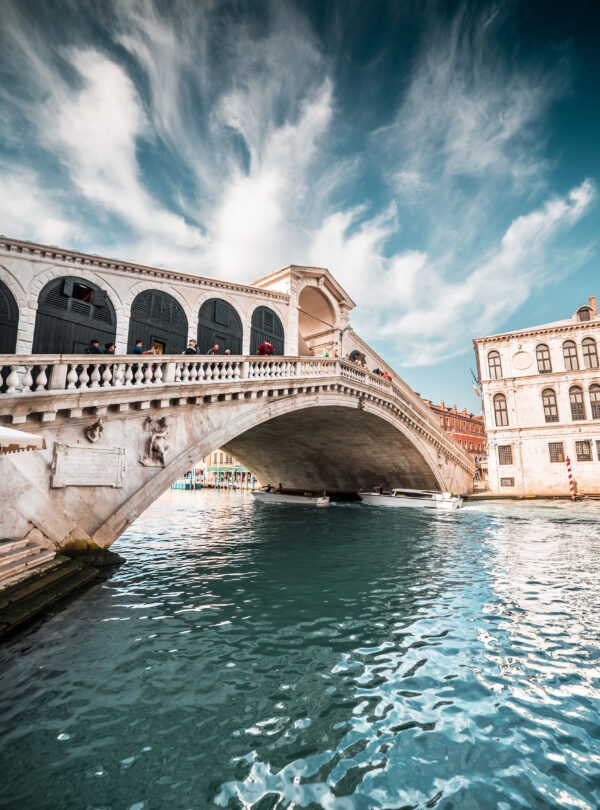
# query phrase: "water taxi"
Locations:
[[412, 498], [270, 495]]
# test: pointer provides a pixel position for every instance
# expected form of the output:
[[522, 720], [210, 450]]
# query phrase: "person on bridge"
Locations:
[[266, 349], [191, 347], [94, 347], [109, 348], [139, 348], [227, 351], [214, 350]]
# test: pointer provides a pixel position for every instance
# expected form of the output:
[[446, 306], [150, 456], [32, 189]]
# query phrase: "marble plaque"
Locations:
[[76, 466]]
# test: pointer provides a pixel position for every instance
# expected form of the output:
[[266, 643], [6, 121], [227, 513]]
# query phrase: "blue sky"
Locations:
[[441, 159]]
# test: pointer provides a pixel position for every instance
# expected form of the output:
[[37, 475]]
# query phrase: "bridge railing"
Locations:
[[29, 374]]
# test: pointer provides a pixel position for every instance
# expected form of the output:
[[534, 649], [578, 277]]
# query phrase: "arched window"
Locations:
[[584, 313], [595, 401], [9, 320], [494, 365], [590, 353], [159, 321], [500, 410], [266, 326], [550, 406], [542, 353], [218, 322], [576, 400], [71, 312], [570, 355]]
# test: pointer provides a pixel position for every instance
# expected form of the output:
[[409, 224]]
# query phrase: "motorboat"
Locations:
[[270, 495], [412, 498]]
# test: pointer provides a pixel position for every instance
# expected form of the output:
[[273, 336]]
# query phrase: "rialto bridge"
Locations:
[[119, 430]]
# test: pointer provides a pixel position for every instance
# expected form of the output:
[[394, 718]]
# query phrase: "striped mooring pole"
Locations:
[[571, 484]]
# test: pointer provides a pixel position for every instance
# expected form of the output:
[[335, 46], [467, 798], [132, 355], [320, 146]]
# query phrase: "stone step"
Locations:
[[15, 566], [13, 554], [28, 602], [9, 544], [30, 580]]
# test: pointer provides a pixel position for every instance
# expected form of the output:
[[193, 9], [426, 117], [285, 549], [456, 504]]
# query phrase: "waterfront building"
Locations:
[[467, 429], [222, 470], [541, 404]]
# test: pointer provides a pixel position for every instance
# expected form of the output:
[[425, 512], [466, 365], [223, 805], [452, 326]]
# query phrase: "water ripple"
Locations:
[[342, 659]]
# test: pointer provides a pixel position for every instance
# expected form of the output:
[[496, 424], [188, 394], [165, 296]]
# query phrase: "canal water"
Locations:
[[348, 658]]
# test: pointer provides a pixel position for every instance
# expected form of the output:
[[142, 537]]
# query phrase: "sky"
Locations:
[[441, 159]]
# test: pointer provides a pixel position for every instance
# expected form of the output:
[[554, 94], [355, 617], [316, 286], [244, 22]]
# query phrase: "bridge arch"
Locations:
[[71, 311], [349, 443], [159, 320], [266, 326], [219, 322], [9, 320]]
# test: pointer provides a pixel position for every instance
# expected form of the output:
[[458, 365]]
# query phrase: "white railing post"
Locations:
[[58, 377]]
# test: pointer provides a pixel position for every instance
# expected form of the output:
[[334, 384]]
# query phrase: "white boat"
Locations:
[[302, 498], [413, 498]]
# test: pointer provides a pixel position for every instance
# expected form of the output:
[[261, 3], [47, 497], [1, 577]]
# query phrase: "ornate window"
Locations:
[[544, 364], [576, 400], [557, 452], [550, 406], [505, 454], [494, 365], [583, 450], [590, 353], [570, 355], [595, 401], [500, 410]]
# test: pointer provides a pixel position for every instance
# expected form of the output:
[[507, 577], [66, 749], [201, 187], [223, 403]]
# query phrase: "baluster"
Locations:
[[138, 376], [107, 375], [148, 374], [84, 377], [95, 378], [228, 371], [185, 372], [128, 374], [12, 380], [178, 369], [193, 372], [41, 379], [200, 371], [72, 376], [27, 380], [237, 372], [118, 374], [158, 374], [209, 371]]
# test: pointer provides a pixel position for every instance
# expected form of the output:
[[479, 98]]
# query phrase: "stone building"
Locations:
[[541, 403], [465, 428]]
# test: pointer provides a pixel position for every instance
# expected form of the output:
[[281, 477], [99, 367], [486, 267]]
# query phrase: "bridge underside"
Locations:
[[332, 448]]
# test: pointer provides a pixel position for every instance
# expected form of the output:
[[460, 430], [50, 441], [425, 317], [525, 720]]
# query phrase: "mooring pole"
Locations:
[[571, 483]]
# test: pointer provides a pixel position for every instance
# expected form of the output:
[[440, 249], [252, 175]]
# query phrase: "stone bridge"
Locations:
[[119, 434], [120, 429]]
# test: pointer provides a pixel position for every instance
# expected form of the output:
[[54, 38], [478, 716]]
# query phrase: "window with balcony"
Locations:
[[544, 364], [570, 355], [590, 353], [494, 365], [576, 401], [500, 410], [550, 406]]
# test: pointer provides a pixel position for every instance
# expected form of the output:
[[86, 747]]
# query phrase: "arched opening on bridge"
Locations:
[[266, 326], [159, 321], [71, 312], [316, 322], [332, 448], [9, 320], [218, 322]]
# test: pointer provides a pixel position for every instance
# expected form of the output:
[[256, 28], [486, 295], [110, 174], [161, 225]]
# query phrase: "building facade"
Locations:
[[465, 428], [541, 404]]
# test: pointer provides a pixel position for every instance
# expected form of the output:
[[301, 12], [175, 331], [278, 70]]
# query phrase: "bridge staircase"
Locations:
[[32, 578]]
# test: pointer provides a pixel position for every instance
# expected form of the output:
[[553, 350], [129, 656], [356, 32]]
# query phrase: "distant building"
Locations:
[[541, 403], [221, 469], [467, 429]]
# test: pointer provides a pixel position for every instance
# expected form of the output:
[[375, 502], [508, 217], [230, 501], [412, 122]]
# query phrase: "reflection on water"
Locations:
[[350, 658]]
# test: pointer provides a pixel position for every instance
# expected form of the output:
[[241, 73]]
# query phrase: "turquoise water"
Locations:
[[251, 656]]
